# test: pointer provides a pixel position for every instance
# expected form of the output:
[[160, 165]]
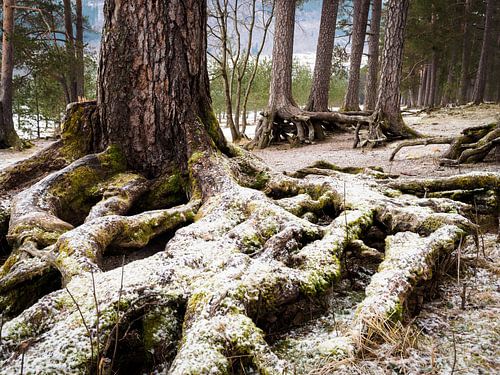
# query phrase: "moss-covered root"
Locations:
[[210, 345], [79, 251], [118, 195], [41, 213], [469, 181], [409, 260], [76, 141], [61, 336], [39, 216], [319, 261]]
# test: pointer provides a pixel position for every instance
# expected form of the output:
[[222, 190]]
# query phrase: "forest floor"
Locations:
[[454, 333]]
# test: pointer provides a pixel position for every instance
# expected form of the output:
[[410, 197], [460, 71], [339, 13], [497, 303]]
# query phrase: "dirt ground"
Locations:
[[410, 161], [454, 333]]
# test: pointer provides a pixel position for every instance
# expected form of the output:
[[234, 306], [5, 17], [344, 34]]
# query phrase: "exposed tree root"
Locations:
[[307, 125], [472, 146], [260, 243], [77, 130]]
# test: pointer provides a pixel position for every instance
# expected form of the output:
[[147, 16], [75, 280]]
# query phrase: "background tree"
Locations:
[[318, 99], [486, 51], [233, 52], [282, 108], [8, 135], [360, 19], [387, 119], [373, 56]]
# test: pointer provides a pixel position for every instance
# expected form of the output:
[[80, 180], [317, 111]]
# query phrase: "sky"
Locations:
[[306, 30]]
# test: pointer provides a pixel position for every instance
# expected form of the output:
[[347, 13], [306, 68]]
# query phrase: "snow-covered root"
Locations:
[[80, 250], [246, 260], [481, 190], [38, 217], [409, 261], [75, 142]]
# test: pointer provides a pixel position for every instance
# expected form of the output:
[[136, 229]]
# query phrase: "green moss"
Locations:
[[9, 263], [168, 191], [160, 328], [431, 224], [318, 281], [113, 158], [395, 314], [75, 140]]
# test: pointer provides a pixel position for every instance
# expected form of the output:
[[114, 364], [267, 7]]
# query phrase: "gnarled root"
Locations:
[[76, 141], [307, 125], [258, 246], [472, 146]]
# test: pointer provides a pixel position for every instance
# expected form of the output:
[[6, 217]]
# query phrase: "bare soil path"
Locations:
[[411, 161]]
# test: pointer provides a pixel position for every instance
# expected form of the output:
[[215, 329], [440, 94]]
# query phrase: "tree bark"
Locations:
[[433, 80], [428, 85], [480, 83], [466, 54], [421, 88], [387, 120], [360, 19], [373, 56], [153, 92], [448, 90], [70, 50], [80, 63], [8, 135], [318, 98]]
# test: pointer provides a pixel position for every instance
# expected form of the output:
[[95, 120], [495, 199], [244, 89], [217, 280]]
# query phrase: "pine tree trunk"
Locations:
[[448, 92], [318, 99], [373, 56], [8, 136], [361, 8], [280, 92], [421, 89], [80, 64], [153, 90], [480, 83], [428, 85], [433, 80], [466, 54], [70, 50], [387, 119]]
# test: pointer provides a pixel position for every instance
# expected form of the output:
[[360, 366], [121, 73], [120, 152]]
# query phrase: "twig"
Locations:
[[97, 314], [22, 362], [464, 296], [454, 353], [1, 327], [459, 257], [89, 332], [118, 314]]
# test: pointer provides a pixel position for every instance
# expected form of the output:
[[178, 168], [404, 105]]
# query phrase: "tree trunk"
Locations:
[[433, 80], [428, 85], [153, 92], [318, 99], [80, 64], [387, 119], [422, 86], [466, 54], [8, 136], [373, 56], [70, 50], [480, 83], [360, 20], [448, 89]]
